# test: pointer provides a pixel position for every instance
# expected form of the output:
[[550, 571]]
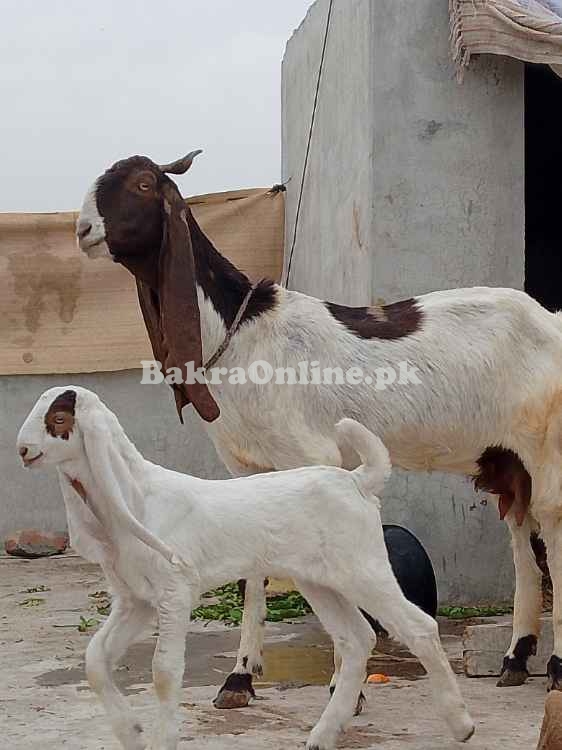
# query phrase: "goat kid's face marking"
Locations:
[[59, 419], [49, 433], [122, 214]]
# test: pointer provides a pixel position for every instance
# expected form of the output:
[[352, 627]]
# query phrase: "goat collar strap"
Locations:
[[232, 330]]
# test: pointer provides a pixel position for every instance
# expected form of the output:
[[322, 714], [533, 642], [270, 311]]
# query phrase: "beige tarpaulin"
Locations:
[[63, 313], [529, 30]]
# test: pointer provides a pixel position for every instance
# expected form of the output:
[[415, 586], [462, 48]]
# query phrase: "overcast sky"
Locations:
[[85, 83]]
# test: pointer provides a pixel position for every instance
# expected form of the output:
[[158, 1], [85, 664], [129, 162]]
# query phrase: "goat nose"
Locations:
[[23, 451], [84, 229]]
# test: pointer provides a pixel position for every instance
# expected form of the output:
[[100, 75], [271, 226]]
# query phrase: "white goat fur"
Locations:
[[163, 538], [490, 365]]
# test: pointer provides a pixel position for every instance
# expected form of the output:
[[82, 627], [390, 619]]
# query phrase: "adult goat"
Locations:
[[164, 538], [480, 392]]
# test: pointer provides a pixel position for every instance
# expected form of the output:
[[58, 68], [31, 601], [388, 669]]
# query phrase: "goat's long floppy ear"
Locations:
[[179, 309], [116, 482]]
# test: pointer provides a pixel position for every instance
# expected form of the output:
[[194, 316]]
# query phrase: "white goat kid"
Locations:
[[162, 538]]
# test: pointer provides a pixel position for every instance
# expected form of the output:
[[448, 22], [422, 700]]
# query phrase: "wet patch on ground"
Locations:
[[295, 655]]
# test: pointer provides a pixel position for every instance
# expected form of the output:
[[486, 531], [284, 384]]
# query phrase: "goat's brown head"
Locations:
[[135, 214], [123, 214]]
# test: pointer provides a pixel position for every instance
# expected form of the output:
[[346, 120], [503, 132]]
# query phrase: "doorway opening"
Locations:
[[543, 185]]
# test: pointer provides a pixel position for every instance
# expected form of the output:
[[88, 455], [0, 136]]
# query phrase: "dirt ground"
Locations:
[[45, 700]]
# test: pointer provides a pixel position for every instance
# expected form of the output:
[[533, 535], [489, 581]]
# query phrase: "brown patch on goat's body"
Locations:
[[502, 473], [394, 321], [59, 419]]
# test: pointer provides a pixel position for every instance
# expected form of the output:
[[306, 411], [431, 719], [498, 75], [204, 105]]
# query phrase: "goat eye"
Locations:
[[59, 419], [144, 186]]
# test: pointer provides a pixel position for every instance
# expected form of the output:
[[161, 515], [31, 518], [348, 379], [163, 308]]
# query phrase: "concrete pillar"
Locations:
[[414, 183]]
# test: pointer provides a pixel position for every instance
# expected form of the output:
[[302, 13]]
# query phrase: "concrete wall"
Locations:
[[414, 183], [148, 414]]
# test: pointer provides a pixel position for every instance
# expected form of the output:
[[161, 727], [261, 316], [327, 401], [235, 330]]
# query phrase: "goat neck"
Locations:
[[224, 287]]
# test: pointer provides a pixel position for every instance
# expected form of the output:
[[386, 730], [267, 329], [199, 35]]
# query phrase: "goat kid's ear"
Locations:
[[116, 482], [180, 166], [179, 309]]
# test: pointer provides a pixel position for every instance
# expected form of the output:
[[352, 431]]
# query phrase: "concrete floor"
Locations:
[[45, 701]]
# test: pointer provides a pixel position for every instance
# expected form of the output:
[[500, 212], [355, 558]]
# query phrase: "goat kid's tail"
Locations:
[[375, 466]]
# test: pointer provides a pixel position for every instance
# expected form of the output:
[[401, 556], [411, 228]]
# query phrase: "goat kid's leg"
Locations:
[[551, 532], [353, 643], [419, 632], [337, 670], [334, 679], [168, 664], [238, 690], [527, 605], [126, 623]]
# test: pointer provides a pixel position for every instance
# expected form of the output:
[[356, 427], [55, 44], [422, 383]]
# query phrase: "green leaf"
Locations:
[[86, 624], [229, 607], [464, 613]]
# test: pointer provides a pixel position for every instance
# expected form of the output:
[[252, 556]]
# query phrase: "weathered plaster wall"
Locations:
[[414, 183]]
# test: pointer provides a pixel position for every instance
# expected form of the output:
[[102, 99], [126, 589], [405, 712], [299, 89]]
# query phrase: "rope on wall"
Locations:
[[314, 108]]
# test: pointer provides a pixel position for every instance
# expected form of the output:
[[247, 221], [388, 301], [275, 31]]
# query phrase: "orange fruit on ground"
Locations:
[[378, 679]]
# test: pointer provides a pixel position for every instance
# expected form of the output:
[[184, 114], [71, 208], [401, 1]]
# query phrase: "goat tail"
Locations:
[[375, 466]]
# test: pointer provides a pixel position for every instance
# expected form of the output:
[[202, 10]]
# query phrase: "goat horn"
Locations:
[[180, 166]]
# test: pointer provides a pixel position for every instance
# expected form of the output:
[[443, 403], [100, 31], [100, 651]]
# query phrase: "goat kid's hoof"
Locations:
[[464, 730], [470, 735], [461, 725], [237, 692], [315, 745]]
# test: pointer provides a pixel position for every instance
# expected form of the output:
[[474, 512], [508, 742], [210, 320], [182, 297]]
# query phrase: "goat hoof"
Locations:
[[514, 671], [512, 678], [554, 672], [470, 735], [237, 692]]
